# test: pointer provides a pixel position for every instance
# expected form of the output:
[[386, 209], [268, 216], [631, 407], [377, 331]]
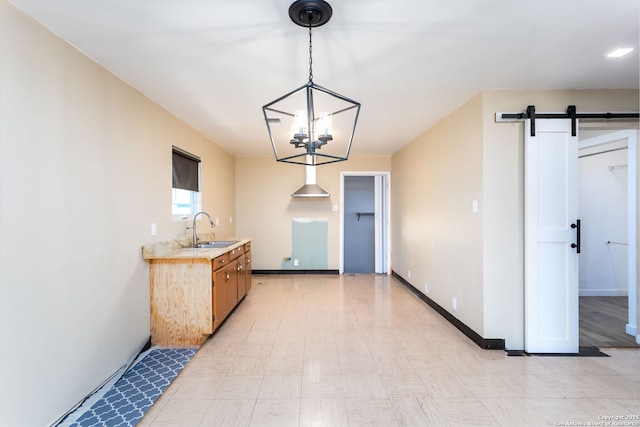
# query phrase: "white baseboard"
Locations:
[[631, 329], [603, 292]]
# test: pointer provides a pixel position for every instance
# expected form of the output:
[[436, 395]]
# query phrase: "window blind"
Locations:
[[185, 170]]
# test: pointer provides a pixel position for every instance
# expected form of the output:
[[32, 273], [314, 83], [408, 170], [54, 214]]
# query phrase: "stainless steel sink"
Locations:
[[217, 244]]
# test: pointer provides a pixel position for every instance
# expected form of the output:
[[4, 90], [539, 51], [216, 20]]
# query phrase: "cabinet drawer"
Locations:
[[235, 253], [221, 261]]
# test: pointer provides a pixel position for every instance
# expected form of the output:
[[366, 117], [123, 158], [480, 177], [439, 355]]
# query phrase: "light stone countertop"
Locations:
[[172, 250]]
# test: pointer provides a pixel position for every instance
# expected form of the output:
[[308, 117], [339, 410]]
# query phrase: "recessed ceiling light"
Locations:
[[618, 52]]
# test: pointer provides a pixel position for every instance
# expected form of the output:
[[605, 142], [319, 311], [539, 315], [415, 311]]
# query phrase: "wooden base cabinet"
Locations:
[[242, 281], [244, 273], [225, 292], [191, 297], [247, 267], [181, 311]]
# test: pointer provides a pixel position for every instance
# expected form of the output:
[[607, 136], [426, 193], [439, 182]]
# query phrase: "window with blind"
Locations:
[[186, 197]]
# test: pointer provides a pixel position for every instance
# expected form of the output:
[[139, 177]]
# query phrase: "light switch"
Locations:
[[154, 229], [474, 206]]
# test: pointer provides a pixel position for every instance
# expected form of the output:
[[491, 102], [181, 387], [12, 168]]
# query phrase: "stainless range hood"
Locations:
[[310, 189]]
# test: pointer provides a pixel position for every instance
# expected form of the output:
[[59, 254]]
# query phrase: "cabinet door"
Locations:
[[247, 271], [220, 303], [242, 288], [232, 286]]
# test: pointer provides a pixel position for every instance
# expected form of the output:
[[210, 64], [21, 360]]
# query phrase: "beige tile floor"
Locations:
[[361, 350]]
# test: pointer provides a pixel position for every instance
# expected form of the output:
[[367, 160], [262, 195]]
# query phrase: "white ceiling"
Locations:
[[409, 62]]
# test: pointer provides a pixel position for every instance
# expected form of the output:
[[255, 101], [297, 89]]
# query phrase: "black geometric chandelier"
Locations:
[[311, 125]]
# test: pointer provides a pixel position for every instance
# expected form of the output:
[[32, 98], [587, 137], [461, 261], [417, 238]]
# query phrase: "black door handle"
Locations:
[[576, 245]]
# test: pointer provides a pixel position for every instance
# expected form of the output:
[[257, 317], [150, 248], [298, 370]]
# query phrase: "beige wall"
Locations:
[[479, 259], [435, 235], [265, 208], [85, 168]]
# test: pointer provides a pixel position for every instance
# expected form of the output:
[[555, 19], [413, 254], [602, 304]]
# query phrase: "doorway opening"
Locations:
[[607, 204], [364, 223]]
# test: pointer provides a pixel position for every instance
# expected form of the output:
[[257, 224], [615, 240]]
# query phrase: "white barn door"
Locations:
[[551, 237]]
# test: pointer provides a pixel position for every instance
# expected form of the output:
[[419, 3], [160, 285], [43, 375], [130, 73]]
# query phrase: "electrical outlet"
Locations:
[[230, 220], [409, 274], [296, 262], [454, 303], [154, 229], [426, 287], [474, 206]]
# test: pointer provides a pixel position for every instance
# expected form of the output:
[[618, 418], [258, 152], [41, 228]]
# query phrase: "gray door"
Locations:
[[359, 224]]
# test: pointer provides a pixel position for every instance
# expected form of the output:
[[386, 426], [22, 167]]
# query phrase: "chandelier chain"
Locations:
[[310, 50]]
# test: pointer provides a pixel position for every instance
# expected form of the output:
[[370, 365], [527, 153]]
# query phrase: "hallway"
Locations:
[[358, 350]]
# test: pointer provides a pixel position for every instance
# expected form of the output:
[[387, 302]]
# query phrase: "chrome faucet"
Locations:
[[195, 234]]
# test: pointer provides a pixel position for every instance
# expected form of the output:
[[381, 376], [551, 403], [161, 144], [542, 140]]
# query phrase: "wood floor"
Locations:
[[603, 321]]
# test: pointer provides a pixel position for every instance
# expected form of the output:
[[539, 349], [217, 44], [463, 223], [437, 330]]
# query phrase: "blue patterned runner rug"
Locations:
[[134, 393]]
